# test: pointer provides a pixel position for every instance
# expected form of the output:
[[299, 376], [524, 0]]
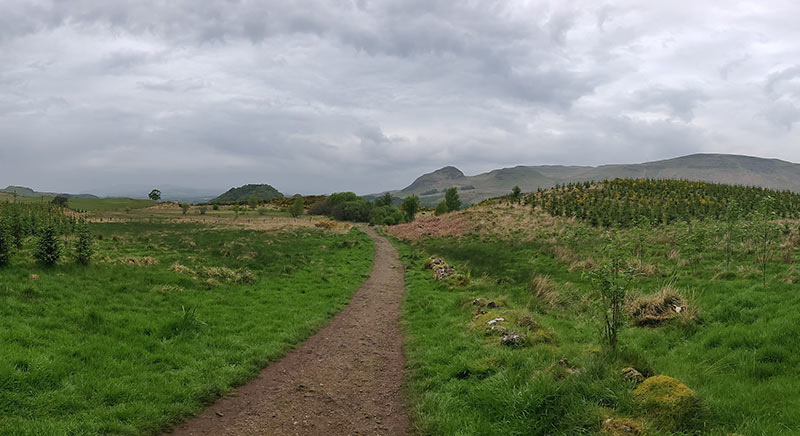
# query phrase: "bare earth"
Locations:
[[347, 379]]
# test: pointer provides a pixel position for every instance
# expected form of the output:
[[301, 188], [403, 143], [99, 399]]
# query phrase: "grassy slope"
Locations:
[[740, 358], [88, 204], [126, 349]]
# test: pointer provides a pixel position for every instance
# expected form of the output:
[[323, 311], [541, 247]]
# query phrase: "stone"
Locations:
[[512, 339]]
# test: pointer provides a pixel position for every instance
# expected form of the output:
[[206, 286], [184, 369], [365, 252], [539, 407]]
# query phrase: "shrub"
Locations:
[[386, 215], [83, 249], [358, 210], [5, 244], [262, 211], [298, 207], [441, 209], [322, 207], [215, 207], [338, 198], [202, 210], [48, 249]]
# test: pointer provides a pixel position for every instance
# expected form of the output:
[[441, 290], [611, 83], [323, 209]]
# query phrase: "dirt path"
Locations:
[[345, 380]]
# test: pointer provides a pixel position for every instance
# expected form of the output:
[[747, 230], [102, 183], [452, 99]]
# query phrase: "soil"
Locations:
[[347, 379]]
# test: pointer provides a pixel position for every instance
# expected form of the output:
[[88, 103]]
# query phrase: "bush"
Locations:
[[322, 207], [5, 244], [215, 207], [48, 249], [386, 215], [357, 210], [83, 249], [338, 198], [298, 207], [441, 209]]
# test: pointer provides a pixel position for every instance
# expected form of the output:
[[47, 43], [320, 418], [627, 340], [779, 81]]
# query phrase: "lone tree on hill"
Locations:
[[298, 207], [410, 207], [452, 200], [155, 195], [516, 194], [60, 201]]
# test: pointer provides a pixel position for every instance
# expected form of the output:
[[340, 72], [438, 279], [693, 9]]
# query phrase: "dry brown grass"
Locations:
[[664, 306], [544, 290]]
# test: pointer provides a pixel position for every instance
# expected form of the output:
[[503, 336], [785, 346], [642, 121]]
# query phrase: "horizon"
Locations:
[[207, 192]]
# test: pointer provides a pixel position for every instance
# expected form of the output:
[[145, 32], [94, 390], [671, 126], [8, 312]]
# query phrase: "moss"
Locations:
[[621, 427], [668, 403]]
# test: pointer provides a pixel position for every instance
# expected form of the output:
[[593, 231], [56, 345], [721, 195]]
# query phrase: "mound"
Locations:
[[242, 194]]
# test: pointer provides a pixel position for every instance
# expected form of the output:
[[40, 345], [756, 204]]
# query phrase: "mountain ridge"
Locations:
[[708, 167]]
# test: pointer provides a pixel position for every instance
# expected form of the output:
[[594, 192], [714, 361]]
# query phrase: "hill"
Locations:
[[28, 192], [243, 193], [715, 168]]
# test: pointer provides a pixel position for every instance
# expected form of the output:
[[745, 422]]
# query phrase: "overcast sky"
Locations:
[[319, 96]]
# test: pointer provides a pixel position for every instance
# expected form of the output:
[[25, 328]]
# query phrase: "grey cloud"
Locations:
[[680, 103], [328, 95]]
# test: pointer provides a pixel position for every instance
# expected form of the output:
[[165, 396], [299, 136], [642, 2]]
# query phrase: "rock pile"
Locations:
[[441, 270]]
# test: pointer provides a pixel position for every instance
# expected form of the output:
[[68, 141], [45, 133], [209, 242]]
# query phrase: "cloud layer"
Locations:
[[318, 96]]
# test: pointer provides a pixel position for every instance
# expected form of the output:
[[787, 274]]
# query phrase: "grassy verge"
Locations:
[[736, 352], [166, 319]]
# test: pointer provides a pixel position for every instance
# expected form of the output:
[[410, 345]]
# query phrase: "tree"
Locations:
[[155, 195], [83, 249], [410, 207], [48, 249], [441, 208], [516, 194], [298, 207], [253, 201], [452, 200], [185, 207], [764, 232], [613, 282], [384, 200], [60, 201], [5, 244]]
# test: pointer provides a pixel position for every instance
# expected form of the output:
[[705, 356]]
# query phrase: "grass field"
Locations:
[[166, 318], [86, 204], [735, 347]]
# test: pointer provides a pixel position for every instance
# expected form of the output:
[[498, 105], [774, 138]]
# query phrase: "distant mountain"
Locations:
[[718, 168], [243, 194], [23, 191]]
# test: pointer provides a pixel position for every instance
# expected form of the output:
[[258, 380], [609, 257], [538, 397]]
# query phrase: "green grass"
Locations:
[[86, 204], [740, 356], [127, 347]]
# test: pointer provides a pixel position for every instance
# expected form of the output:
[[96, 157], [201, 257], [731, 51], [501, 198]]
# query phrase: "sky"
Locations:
[[320, 96]]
